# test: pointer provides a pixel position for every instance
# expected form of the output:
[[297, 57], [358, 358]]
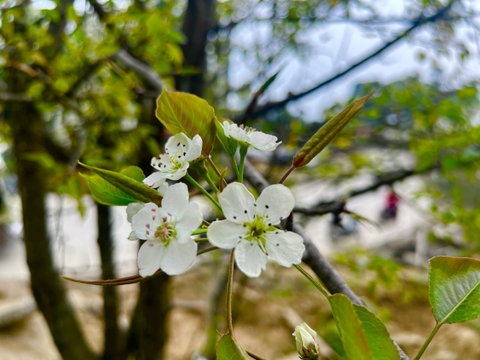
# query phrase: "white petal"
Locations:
[[286, 248], [262, 141], [146, 221], [225, 234], [237, 203], [179, 257], [250, 259], [132, 209], [155, 163], [276, 201], [175, 200], [155, 180], [176, 143], [233, 131], [163, 188], [189, 221], [195, 148], [149, 258]]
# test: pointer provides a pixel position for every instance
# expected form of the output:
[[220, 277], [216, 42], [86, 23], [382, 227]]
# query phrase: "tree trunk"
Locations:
[[114, 348], [27, 133], [149, 328], [198, 21]]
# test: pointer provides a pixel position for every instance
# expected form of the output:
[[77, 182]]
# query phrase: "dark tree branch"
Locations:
[[334, 207], [14, 97], [84, 76], [146, 73], [312, 256], [415, 24]]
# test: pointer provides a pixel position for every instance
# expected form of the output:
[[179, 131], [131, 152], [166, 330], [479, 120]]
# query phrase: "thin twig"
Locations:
[[421, 20]]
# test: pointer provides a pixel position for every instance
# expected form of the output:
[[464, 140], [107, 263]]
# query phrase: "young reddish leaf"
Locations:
[[187, 113], [327, 132], [454, 286], [363, 335], [112, 188]]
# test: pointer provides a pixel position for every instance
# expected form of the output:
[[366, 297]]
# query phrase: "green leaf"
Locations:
[[363, 335], [267, 83], [229, 349], [187, 113], [454, 289], [327, 132], [119, 189]]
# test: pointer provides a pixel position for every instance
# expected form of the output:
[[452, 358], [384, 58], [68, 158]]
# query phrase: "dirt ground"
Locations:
[[267, 308]]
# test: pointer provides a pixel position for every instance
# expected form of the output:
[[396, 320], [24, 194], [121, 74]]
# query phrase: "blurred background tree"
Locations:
[[79, 79]]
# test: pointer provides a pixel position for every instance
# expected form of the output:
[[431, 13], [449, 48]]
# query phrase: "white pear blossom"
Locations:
[[250, 228], [134, 208], [250, 136], [173, 164], [167, 231], [307, 347]]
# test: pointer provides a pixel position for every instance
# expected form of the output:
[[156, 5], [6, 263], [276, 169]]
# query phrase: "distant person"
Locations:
[[391, 205]]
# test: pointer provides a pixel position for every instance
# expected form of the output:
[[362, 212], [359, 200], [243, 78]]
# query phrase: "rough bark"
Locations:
[[27, 134]]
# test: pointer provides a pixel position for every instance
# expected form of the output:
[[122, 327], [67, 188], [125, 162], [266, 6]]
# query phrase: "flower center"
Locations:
[[165, 233], [177, 159], [256, 231]]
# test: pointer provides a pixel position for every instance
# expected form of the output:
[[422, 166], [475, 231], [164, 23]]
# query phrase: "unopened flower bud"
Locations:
[[307, 347]]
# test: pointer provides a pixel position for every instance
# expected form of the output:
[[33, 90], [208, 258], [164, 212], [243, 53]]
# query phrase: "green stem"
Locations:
[[291, 168], [243, 154], [427, 342], [312, 280], [204, 192], [231, 269], [209, 180], [235, 166], [199, 231]]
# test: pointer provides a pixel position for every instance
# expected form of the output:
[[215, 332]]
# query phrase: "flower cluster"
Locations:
[[251, 226]]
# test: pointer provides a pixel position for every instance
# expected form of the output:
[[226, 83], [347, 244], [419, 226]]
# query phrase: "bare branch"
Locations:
[[415, 24], [15, 97], [143, 70]]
